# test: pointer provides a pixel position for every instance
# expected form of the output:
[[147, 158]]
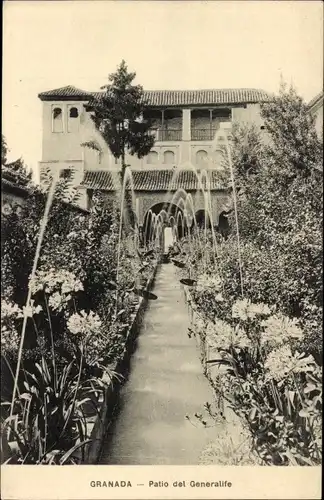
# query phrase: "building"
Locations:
[[185, 125], [315, 107]]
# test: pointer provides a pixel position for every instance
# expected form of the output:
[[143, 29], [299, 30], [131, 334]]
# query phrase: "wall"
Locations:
[[66, 145], [63, 149]]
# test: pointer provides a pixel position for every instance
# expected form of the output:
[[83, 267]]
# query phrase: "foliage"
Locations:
[[16, 170], [49, 420], [266, 345], [278, 205], [118, 115], [82, 300]]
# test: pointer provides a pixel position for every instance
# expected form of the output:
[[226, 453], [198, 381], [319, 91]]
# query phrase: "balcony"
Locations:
[[164, 135], [203, 134]]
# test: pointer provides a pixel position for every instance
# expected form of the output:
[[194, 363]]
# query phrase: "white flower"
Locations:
[[31, 310], [57, 301], [84, 323], [209, 282], [281, 362], [278, 329], [245, 309], [52, 280], [9, 309]]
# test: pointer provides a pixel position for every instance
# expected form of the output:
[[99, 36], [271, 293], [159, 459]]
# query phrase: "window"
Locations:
[[74, 113], [73, 123], [57, 120], [168, 158], [152, 158], [201, 157], [65, 173]]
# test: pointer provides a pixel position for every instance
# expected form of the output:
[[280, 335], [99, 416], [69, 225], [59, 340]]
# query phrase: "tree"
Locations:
[[16, 169], [295, 147], [278, 213], [118, 115]]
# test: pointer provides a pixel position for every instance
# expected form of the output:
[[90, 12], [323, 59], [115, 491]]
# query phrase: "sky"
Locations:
[[170, 45]]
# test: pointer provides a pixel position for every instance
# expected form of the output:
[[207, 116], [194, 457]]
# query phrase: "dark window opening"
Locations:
[[66, 173], [74, 113], [57, 120], [57, 113]]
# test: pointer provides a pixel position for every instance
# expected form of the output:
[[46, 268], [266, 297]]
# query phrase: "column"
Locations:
[[186, 135], [186, 124], [210, 124]]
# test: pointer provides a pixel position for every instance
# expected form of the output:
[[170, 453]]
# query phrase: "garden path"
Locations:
[[165, 384]]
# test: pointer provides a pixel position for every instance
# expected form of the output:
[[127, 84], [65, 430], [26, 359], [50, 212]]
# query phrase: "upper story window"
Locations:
[[66, 173], [73, 120], [152, 157], [57, 120], [168, 157]]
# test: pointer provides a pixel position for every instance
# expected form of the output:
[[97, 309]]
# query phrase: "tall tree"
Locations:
[[118, 114]]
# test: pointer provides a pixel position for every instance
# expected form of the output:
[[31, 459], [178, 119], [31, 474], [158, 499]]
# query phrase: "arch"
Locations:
[[202, 219], [57, 119], [219, 158], [223, 224], [201, 156], [74, 112], [168, 157], [162, 214], [73, 122], [152, 158]]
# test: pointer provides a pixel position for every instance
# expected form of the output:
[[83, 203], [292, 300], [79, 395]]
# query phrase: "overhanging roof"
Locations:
[[316, 100], [150, 180], [169, 98]]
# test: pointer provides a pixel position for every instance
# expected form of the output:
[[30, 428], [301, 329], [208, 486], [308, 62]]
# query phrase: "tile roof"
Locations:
[[157, 98], [149, 180], [315, 99]]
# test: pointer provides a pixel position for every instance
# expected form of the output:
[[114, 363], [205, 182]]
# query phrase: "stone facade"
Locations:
[[186, 125]]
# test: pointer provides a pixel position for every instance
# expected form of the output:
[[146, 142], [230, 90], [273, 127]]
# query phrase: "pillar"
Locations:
[[186, 135]]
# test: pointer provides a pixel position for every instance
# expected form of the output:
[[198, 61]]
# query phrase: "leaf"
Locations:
[[219, 361], [188, 282], [303, 413], [70, 452], [252, 414], [309, 388], [178, 263]]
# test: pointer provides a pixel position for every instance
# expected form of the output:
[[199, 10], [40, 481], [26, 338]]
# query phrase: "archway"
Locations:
[[202, 219], [161, 216], [223, 224]]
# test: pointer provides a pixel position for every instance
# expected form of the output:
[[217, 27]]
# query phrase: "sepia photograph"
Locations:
[[161, 250]]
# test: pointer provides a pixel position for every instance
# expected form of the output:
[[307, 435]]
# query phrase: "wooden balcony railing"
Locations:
[[167, 135], [203, 134]]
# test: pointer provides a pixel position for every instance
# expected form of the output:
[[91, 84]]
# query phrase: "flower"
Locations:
[[10, 310], [278, 329], [53, 280], [10, 340], [84, 323], [57, 301], [245, 309], [281, 362], [219, 335], [209, 282], [31, 310]]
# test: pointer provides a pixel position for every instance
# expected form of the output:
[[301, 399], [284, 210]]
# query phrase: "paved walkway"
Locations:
[[165, 384]]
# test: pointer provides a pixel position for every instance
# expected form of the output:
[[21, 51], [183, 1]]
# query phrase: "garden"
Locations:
[[257, 293], [59, 353], [72, 282]]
